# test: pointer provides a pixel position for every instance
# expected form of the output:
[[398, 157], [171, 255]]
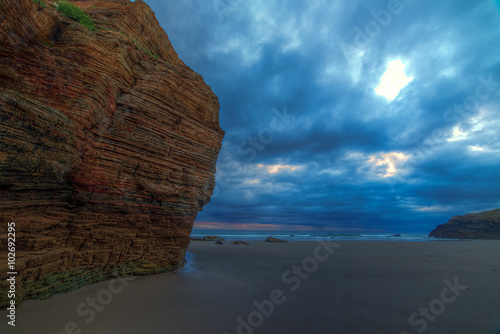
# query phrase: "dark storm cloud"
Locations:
[[308, 142]]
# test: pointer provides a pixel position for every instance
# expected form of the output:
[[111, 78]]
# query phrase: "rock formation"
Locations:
[[213, 238], [240, 242], [481, 225], [271, 239], [108, 145]]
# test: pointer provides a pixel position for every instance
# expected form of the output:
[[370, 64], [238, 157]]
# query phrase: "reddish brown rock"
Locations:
[[108, 145]]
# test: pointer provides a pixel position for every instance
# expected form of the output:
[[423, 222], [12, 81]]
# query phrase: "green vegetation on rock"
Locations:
[[75, 13], [146, 51], [50, 45], [137, 45], [40, 2], [492, 213]]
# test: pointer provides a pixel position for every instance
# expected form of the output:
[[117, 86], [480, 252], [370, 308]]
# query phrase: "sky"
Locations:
[[348, 116]]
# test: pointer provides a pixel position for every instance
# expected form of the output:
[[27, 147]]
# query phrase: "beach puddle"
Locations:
[[189, 265]]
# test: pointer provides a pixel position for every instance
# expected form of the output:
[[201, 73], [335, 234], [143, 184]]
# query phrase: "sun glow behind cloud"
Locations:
[[457, 134], [390, 160], [393, 80]]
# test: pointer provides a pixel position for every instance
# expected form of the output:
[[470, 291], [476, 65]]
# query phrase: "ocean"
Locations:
[[232, 235]]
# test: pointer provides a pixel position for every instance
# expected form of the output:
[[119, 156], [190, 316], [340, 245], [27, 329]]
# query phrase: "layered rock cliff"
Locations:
[[108, 144], [481, 225]]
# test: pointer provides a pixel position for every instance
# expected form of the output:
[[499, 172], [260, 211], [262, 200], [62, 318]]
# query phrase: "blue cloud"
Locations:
[[296, 85]]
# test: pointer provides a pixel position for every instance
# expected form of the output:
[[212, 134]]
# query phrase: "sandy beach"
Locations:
[[300, 287]]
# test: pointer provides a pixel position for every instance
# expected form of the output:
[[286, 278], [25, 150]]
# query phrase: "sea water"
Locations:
[[231, 235]]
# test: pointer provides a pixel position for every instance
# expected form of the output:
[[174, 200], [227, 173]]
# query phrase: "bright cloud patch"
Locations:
[[432, 208], [273, 169], [476, 148], [457, 134], [393, 80], [390, 161]]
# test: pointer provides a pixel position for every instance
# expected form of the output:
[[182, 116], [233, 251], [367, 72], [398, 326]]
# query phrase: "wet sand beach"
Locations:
[[299, 287]]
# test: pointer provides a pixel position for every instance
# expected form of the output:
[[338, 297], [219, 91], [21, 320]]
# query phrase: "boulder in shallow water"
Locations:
[[213, 238]]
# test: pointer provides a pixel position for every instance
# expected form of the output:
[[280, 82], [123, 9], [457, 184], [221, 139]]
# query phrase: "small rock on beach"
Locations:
[[271, 239], [213, 238], [239, 242]]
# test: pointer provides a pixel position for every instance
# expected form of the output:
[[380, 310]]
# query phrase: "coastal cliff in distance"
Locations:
[[108, 144], [481, 225]]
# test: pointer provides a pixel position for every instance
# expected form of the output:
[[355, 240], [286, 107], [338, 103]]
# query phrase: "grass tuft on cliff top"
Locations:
[[40, 2], [75, 13]]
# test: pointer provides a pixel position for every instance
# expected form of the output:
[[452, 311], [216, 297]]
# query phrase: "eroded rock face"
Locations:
[[481, 225], [108, 145]]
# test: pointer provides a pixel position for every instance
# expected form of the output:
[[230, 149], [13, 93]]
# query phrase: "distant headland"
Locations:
[[480, 225]]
